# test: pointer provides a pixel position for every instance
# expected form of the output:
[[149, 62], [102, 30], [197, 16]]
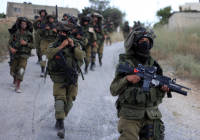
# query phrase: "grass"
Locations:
[[117, 37], [4, 40], [181, 49]]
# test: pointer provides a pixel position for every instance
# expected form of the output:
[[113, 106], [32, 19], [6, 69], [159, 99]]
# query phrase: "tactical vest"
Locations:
[[56, 72], [133, 103], [22, 51], [48, 34]]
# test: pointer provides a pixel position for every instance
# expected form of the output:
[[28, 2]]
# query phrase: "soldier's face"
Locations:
[[43, 14], [63, 33], [51, 20], [23, 25], [144, 40], [78, 36], [65, 17], [85, 22]]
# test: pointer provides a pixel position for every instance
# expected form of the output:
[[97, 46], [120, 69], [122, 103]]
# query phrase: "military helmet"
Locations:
[[17, 25], [62, 26], [137, 34], [43, 10], [142, 32], [66, 15]]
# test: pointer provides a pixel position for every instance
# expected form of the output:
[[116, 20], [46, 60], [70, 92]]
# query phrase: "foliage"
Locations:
[[163, 15]]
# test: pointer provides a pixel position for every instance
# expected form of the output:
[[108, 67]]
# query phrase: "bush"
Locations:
[[4, 40], [181, 49]]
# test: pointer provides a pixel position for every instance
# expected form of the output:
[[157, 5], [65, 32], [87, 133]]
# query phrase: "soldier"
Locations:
[[108, 29], [64, 59], [37, 26], [20, 45], [48, 34], [97, 24], [65, 17], [88, 32], [140, 118], [126, 30]]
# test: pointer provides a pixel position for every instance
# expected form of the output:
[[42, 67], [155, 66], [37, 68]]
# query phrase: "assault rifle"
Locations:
[[151, 79]]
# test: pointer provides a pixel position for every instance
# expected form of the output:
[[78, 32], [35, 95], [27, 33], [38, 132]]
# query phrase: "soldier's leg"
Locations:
[[71, 96], [100, 53], [93, 57], [13, 69], [37, 46], [59, 93], [43, 45], [129, 129], [152, 130], [87, 59], [20, 73]]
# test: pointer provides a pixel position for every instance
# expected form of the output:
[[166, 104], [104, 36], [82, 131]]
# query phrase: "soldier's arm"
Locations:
[[51, 51], [78, 53], [118, 85]]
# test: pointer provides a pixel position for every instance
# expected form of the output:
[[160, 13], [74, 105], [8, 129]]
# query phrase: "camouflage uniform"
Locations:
[[126, 30], [23, 52], [47, 36], [37, 38], [64, 90], [140, 118], [100, 40], [90, 35]]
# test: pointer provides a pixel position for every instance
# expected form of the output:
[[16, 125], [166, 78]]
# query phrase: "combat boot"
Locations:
[[100, 61], [60, 127], [92, 66], [86, 69], [17, 89], [42, 72]]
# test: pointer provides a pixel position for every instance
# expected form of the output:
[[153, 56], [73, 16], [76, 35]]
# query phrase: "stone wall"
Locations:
[[184, 19], [30, 10]]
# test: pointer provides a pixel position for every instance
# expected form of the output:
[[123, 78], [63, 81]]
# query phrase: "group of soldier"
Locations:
[[67, 45], [61, 47]]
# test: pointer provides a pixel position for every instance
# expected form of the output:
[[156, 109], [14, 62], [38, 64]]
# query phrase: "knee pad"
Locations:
[[21, 71], [59, 105], [44, 57]]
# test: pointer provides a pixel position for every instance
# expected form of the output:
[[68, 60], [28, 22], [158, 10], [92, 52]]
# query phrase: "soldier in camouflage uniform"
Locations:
[[37, 26], [126, 30], [65, 56], [48, 34], [140, 118], [97, 24], [89, 34], [20, 45]]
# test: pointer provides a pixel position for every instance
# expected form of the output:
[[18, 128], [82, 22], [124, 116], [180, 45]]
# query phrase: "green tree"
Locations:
[[99, 5], [2, 15], [115, 15], [163, 15]]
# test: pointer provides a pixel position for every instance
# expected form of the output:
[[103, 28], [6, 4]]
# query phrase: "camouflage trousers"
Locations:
[[125, 34], [93, 53], [64, 97], [37, 41], [17, 68], [100, 50], [143, 129], [88, 55], [44, 44]]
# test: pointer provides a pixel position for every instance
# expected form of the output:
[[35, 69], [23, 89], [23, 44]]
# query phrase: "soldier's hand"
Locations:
[[22, 42], [39, 19], [133, 78], [47, 27], [94, 44], [13, 51], [71, 42], [54, 29], [165, 88], [64, 44]]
